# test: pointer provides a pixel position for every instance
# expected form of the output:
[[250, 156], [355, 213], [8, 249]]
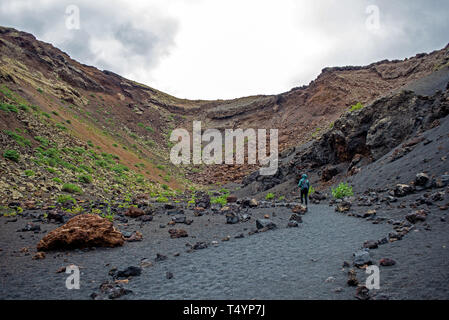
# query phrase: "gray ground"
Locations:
[[281, 264]]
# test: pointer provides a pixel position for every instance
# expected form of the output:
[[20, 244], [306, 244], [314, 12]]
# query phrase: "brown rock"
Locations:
[[177, 233], [134, 212], [39, 256], [86, 230], [231, 199], [387, 262], [352, 278], [301, 209]]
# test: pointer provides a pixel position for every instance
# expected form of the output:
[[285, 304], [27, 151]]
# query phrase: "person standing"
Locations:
[[304, 186]]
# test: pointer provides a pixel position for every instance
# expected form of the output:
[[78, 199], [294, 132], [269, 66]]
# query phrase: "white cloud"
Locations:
[[227, 48]]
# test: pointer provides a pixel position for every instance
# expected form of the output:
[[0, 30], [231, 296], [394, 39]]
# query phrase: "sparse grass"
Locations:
[[21, 141], [269, 196], [356, 107], [85, 179], [12, 155], [29, 173], [64, 198]]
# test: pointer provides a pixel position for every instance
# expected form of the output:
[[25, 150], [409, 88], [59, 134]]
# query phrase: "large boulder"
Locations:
[[86, 230]]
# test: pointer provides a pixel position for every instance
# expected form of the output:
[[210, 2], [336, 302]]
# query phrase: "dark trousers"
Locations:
[[305, 194]]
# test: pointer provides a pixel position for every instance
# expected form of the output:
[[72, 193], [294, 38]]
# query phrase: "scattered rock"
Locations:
[[421, 179], [128, 272], [232, 218], [292, 224], [231, 199], [300, 209], [362, 293], [352, 278], [265, 223], [134, 212], [39, 256], [135, 236], [160, 257], [362, 258], [370, 244], [177, 233], [401, 190], [387, 262], [253, 203], [414, 217], [169, 275], [296, 217], [86, 230], [343, 206], [200, 245], [31, 227]]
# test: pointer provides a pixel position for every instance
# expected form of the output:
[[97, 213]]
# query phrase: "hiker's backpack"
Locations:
[[304, 184]]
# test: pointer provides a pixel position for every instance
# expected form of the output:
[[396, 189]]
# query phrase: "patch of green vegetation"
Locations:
[[281, 198], [269, 196], [45, 114], [311, 190], [71, 188], [120, 168], [61, 127], [57, 180], [29, 173], [43, 141], [8, 107], [356, 107], [55, 113], [12, 155], [162, 199], [85, 178], [64, 198], [21, 141], [40, 90], [342, 190], [90, 144], [148, 128]]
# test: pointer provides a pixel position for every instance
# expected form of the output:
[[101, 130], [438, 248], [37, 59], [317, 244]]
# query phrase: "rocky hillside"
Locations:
[[63, 122], [380, 136]]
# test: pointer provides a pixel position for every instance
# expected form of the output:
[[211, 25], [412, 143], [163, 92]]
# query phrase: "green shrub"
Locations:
[[29, 173], [223, 200], [71, 188], [161, 199], [149, 129], [343, 190], [8, 107], [164, 186], [18, 138], [269, 196], [311, 190], [356, 107], [64, 198], [57, 180], [12, 155], [45, 114], [281, 198], [85, 179], [40, 90]]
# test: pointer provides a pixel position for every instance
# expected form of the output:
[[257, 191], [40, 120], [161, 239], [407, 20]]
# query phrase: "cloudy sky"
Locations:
[[230, 48]]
